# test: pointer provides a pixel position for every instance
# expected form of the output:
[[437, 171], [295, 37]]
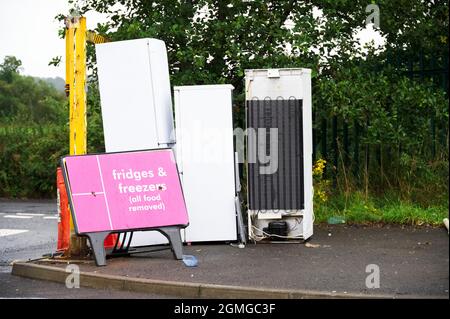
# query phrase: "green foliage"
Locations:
[[23, 99], [95, 139], [358, 209], [395, 109], [55, 61], [423, 182], [9, 68], [415, 24], [394, 116], [29, 156], [212, 41], [33, 133]]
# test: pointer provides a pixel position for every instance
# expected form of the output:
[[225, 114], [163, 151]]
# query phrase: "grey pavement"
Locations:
[[18, 287], [412, 261], [37, 222]]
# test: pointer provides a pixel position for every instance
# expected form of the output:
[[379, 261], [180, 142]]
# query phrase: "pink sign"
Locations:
[[121, 191]]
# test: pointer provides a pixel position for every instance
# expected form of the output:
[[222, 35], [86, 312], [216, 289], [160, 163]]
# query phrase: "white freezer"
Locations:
[[135, 94], [287, 83], [136, 102], [205, 158]]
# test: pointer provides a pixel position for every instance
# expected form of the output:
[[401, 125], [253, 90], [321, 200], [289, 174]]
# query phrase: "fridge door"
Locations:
[[136, 102], [205, 157]]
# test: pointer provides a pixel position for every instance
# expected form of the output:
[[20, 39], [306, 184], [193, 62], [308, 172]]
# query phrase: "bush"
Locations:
[[391, 122], [29, 157]]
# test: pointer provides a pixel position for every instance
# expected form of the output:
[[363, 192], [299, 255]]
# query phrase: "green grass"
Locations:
[[358, 210]]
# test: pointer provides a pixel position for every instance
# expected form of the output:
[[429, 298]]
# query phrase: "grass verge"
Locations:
[[359, 210]]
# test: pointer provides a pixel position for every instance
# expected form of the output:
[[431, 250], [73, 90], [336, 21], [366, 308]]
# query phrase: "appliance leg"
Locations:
[[174, 237], [97, 244]]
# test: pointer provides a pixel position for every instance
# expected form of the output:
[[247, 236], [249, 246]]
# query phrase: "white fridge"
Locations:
[[137, 114], [136, 102], [205, 157], [280, 99]]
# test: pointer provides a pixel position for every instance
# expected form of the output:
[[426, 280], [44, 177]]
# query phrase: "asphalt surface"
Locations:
[[412, 262], [28, 229], [37, 220]]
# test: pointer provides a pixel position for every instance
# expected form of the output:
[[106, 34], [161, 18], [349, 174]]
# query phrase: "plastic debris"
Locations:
[[334, 220], [190, 261], [309, 245]]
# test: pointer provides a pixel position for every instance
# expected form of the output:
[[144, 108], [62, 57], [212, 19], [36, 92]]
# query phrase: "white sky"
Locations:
[[29, 31]]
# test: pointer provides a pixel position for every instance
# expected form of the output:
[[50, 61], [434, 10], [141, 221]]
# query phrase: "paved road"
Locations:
[[28, 229], [412, 261]]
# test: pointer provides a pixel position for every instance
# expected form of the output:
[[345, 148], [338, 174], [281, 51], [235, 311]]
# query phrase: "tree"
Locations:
[[25, 99], [214, 41], [416, 25], [10, 66]]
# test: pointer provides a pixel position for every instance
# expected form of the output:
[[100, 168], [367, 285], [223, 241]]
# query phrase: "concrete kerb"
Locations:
[[179, 289]]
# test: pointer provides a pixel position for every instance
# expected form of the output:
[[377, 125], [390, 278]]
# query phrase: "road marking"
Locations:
[[7, 232], [29, 214], [51, 217], [17, 216]]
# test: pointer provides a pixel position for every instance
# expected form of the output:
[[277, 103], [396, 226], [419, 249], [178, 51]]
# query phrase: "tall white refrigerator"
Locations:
[[136, 102], [137, 114]]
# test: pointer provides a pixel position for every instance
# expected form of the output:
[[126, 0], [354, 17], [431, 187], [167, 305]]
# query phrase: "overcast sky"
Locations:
[[29, 31]]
